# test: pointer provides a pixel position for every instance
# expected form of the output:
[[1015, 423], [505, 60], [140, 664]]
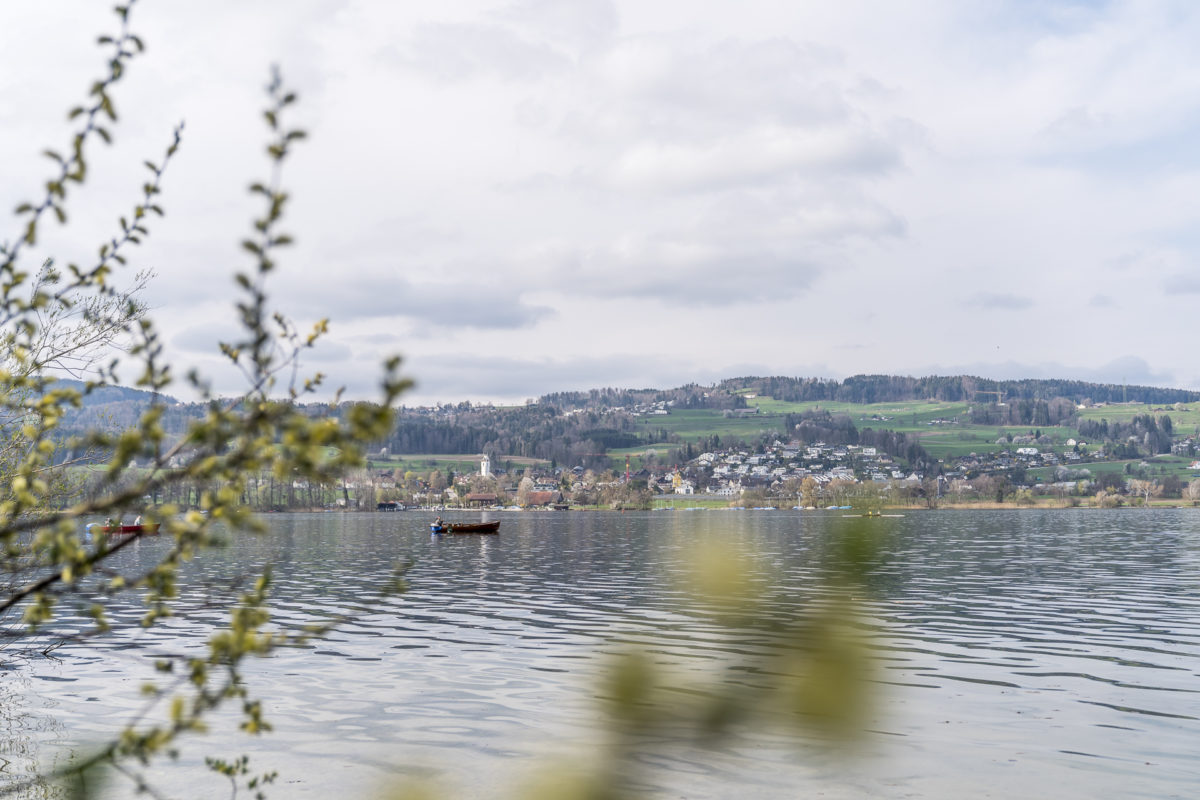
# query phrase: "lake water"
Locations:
[[1020, 654]]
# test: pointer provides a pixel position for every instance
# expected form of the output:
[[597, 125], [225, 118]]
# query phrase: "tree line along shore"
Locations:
[[735, 446]]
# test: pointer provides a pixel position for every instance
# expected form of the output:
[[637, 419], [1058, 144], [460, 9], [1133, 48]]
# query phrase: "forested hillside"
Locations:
[[580, 428], [539, 430], [959, 388]]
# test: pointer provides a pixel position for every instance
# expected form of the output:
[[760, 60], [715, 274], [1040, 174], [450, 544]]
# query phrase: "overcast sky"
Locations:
[[523, 197]]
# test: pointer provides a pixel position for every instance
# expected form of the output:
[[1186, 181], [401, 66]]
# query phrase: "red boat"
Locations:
[[126, 530], [465, 527]]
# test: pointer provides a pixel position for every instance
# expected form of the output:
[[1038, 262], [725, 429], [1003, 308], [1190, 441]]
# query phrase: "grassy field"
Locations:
[[941, 428], [1185, 418], [689, 501], [1156, 467], [1179, 466], [912, 414], [692, 424], [427, 462], [966, 439], [637, 455]]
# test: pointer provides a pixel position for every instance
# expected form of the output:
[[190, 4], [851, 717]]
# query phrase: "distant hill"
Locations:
[[728, 393], [956, 388], [116, 394], [877, 389], [574, 427], [115, 408]]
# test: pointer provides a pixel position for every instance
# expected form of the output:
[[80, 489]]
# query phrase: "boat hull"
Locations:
[[466, 527], [126, 530]]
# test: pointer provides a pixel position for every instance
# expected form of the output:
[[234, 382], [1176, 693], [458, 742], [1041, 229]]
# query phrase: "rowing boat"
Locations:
[[125, 530], [466, 527]]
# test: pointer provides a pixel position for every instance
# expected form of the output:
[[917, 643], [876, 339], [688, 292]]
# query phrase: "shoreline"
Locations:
[[974, 506]]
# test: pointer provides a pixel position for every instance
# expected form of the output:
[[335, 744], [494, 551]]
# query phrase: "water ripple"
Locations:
[[1045, 643]]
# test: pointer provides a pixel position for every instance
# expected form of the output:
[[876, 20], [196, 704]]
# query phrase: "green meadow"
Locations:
[[1185, 417], [458, 463], [1157, 467], [692, 424], [941, 428]]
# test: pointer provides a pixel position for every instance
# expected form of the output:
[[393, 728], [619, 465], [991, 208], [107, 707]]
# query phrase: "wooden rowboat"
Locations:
[[465, 527], [125, 530]]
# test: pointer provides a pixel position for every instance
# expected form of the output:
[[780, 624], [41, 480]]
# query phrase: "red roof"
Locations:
[[541, 498]]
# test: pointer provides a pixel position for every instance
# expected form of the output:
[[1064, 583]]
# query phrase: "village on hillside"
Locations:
[[766, 442], [794, 474]]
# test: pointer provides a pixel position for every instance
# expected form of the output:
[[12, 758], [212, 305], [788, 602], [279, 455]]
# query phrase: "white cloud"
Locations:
[[453, 52], [759, 157], [545, 183], [1183, 284], [578, 25], [1000, 301]]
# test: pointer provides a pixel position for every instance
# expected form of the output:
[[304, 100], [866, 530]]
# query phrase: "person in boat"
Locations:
[[137, 520], [438, 523], [110, 523]]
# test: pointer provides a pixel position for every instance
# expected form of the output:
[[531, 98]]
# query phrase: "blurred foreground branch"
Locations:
[[74, 321]]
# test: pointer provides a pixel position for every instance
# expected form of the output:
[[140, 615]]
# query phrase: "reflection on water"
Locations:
[[1018, 650], [23, 728]]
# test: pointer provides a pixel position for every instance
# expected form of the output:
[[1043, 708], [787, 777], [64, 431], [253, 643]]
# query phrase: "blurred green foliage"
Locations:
[[54, 319], [809, 677]]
